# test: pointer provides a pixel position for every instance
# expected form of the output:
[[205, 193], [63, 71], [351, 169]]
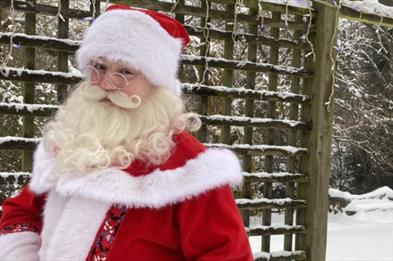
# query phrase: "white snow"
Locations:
[[245, 91], [276, 254], [14, 174], [255, 120], [272, 175], [69, 42], [19, 71], [277, 201], [369, 7], [279, 68], [13, 138], [281, 149], [376, 194], [295, 3], [29, 107], [364, 236]]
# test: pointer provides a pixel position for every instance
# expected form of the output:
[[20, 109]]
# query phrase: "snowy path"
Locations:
[[362, 237]]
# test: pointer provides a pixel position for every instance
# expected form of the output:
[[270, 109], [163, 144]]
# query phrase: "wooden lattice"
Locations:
[[262, 76]]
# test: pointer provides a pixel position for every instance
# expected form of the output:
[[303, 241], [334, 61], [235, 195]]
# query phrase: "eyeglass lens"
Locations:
[[116, 79]]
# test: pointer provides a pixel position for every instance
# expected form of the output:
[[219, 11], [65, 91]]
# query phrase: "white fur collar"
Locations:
[[210, 169]]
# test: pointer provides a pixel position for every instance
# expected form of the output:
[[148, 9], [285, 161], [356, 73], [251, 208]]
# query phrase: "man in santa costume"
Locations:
[[117, 175]]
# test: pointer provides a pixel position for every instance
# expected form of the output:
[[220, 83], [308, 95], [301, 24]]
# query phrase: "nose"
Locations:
[[106, 85]]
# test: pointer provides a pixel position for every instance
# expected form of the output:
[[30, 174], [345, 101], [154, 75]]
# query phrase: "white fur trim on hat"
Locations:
[[137, 39]]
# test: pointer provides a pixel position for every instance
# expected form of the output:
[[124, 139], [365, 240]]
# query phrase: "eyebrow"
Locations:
[[101, 59]]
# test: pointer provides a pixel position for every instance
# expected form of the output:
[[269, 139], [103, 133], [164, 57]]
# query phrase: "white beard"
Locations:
[[87, 134]]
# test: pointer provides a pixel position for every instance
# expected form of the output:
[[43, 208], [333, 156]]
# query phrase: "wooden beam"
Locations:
[[270, 134], [71, 46], [30, 7], [28, 89], [264, 203], [319, 144], [270, 6], [247, 160], [275, 177], [351, 14], [227, 79], [244, 65], [189, 88], [292, 139], [279, 256], [214, 14], [38, 41], [222, 120], [275, 230], [62, 57]]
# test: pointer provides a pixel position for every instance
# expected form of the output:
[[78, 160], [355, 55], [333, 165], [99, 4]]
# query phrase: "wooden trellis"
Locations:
[[284, 101]]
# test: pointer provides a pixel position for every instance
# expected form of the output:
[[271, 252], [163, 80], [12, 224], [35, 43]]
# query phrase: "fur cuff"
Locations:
[[21, 246]]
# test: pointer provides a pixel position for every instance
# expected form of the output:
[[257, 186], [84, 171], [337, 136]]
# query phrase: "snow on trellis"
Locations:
[[20, 71], [278, 254], [369, 7], [272, 175], [14, 174], [29, 107], [40, 37], [280, 201], [374, 7], [250, 120], [294, 3], [285, 149], [281, 227], [19, 139], [279, 68], [262, 93]]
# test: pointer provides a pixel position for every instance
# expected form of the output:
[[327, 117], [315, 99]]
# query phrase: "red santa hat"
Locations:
[[148, 41]]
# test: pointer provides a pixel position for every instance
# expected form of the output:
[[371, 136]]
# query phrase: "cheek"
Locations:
[[129, 90], [140, 87]]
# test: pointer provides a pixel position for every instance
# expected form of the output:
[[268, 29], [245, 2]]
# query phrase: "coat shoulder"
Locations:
[[187, 148]]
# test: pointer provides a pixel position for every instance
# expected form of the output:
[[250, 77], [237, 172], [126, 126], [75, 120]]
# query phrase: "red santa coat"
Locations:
[[183, 209]]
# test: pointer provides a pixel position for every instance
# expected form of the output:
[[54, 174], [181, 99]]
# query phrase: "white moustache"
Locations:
[[118, 98]]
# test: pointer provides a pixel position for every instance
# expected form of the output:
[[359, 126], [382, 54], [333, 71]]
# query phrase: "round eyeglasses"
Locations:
[[117, 80]]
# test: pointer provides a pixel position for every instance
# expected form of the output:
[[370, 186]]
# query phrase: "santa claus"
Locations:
[[117, 175]]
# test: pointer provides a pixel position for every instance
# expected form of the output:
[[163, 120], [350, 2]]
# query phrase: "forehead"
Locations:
[[106, 61]]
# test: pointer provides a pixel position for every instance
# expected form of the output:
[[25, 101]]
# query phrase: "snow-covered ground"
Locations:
[[364, 236]]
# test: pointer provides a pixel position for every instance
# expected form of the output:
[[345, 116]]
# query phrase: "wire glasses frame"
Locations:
[[116, 80]]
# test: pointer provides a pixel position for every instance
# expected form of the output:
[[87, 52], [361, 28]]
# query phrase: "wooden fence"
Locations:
[[276, 116]]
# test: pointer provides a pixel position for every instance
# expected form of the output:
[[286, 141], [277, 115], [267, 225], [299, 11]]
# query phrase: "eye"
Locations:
[[126, 72], [99, 66]]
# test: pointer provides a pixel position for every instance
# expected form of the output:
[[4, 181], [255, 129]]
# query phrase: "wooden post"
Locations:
[[293, 137], [62, 57], [270, 134], [204, 104], [180, 18], [28, 90], [319, 143], [227, 77], [249, 112]]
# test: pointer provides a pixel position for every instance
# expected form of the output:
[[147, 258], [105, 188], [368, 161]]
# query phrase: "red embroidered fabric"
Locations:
[[107, 233], [18, 228]]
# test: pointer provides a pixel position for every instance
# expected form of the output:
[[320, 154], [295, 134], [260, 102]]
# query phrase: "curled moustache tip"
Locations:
[[136, 101]]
